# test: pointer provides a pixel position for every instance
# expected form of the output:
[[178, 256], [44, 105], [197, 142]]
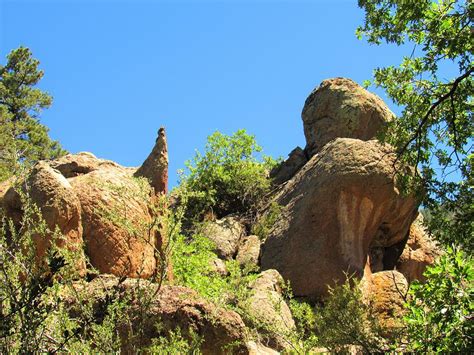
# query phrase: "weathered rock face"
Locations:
[[226, 234], [60, 208], [288, 168], [341, 108], [115, 217], [419, 253], [171, 307], [268, 306], [155, 167], [342, 202], [386, 292]]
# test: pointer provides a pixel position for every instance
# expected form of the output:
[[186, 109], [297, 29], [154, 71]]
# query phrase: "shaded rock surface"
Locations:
[[288, 168], [226, 234], [335, 208], [419, 253], [171, 307], [341, 108]]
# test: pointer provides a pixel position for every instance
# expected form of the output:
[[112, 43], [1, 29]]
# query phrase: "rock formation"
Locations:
[[99, 202], [225, 233], [155, 167], [342, 207]]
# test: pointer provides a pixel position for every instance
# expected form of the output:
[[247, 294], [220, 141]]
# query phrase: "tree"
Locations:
[[435, 128], [23, 139]]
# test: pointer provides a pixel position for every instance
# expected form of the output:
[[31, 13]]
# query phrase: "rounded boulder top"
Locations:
[[340, 108]]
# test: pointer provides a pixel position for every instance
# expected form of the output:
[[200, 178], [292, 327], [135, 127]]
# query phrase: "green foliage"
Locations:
[[193, 267], [346, 319], [436, 124], [22, 138], [440, 311], [228, 178], [174, 343]]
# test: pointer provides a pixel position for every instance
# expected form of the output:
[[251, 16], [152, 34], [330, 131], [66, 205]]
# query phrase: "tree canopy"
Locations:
[[433, 85], [23, 139]]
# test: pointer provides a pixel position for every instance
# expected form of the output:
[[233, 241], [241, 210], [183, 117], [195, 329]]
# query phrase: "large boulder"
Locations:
[[225, 233], [419, 253], [341, 108], [155, 312], [81, 163], [59, 206], [340, 204]]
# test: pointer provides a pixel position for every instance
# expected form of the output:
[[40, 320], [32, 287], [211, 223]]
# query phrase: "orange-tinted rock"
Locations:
[[60, 208], [340, 108], [342, 202], [116, 219], [386, 292]]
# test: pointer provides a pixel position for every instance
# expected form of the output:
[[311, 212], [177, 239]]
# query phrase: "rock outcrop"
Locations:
[[341, 108], [171, 307], [342, 202]]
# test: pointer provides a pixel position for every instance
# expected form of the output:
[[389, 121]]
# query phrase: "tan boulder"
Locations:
[[340, 204], [116, 219], [419, 253], [225, 233], [171, 307], [249, 250], [341, 108], [59, 205], [268, 307]]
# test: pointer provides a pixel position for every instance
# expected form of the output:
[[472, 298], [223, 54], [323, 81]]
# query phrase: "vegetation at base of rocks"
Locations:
[[440, 311], [228, 178], [436, 127], [23, 139], [346, 319]]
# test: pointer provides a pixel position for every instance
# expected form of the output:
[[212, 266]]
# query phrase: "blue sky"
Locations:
[[118, 70]]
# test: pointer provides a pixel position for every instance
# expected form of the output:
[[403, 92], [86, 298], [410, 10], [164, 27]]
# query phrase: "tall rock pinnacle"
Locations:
[[155, 167]]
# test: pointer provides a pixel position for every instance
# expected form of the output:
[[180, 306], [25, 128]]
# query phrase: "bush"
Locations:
[[440, 311], [228, 178]]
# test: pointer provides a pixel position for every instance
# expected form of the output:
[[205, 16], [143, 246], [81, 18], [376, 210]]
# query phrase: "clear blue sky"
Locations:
[[118, 70]]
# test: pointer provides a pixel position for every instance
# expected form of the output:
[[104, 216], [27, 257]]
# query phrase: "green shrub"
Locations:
[[227, 178], [440, 311], [345, 319]]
